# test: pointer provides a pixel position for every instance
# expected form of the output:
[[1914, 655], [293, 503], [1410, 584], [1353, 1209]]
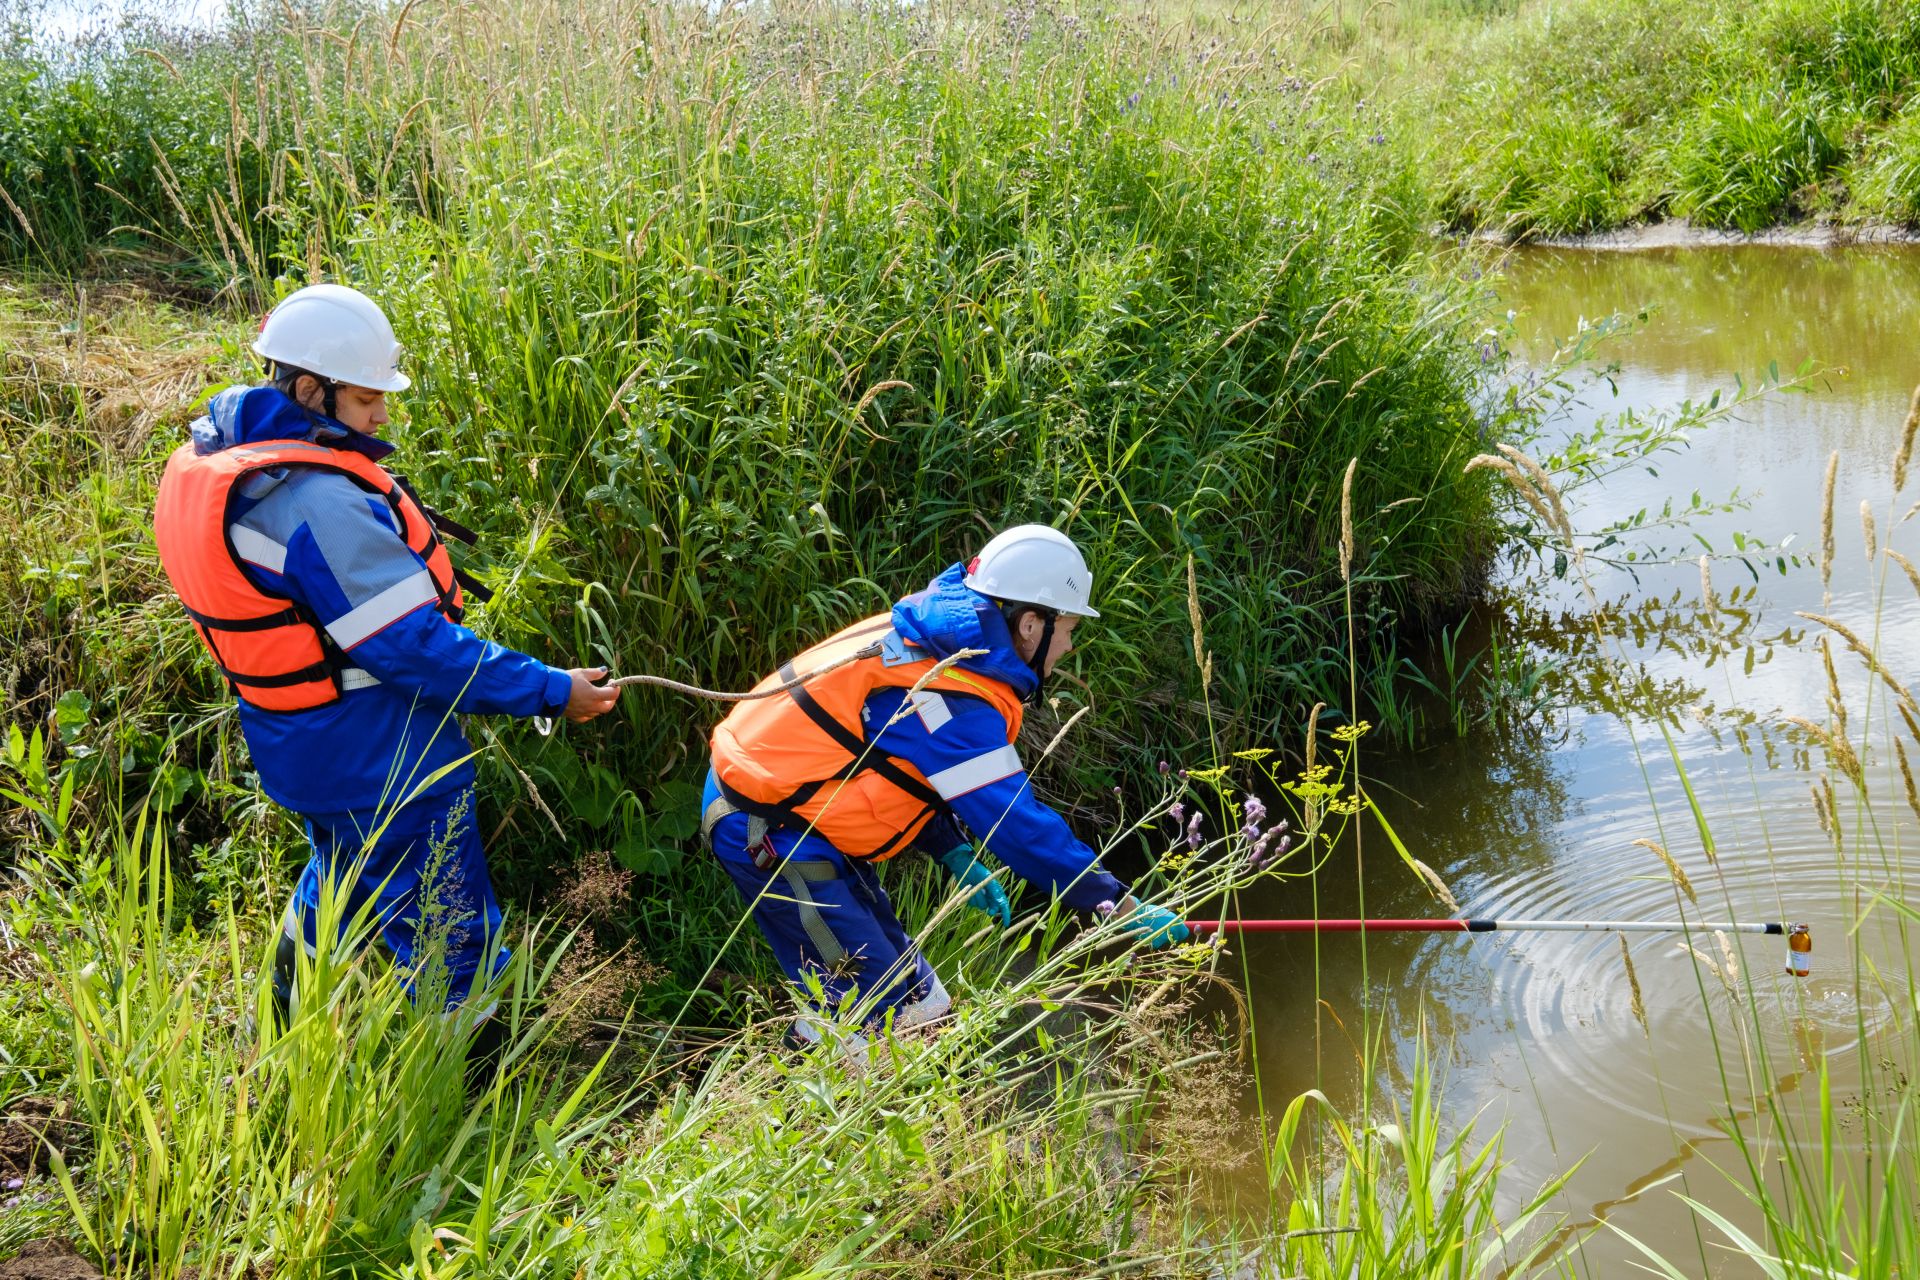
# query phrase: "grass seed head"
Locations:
[[1867, 530], [1826, 526], [1439, 886], [1193, 616], [1633, 985], [1346, 522], [1730, 966], [1904, 454], [1713, 966], [1913, 573], [1906, 776], [1836, 704], [1543, 481], [1820, 810], [1673, 869], [1520, 483]]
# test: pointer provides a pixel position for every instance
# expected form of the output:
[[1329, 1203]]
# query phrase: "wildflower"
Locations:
[[1193, 831], [1250, 832], [14, 1184], [1117, 794], [1378, 139], [1165, 768], [1255, 810], [1133, 99], [1313, 157], [1104, 907], [1270, 847], [1178, 811]]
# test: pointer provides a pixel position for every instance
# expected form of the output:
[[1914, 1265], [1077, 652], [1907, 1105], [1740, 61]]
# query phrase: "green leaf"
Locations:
[[675, 811], [640, 853], [172, 783], [71, 714]]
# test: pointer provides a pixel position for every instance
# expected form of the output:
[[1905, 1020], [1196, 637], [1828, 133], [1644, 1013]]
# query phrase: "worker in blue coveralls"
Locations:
[[321, 587], [877, 745]]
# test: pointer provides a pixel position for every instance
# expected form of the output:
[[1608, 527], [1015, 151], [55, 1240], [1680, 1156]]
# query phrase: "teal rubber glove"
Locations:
[[988, 896], [1157, 926]]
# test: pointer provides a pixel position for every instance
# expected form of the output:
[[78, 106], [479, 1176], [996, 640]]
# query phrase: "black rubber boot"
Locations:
[[284, 957], [484, 1054]]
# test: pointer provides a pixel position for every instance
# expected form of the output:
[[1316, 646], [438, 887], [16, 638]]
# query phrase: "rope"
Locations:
[[544, 724], [715, 695]]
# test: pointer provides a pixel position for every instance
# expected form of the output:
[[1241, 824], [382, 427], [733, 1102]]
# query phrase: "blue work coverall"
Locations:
[[826, 915], [384, 773]]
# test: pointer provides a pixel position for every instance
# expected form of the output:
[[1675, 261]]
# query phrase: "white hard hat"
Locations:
[[1033, 564], [336, 332]]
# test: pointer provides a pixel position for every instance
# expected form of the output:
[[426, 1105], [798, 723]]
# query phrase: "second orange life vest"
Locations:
[[801, 760]]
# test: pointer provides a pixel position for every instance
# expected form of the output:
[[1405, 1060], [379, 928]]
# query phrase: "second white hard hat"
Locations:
[[1034, 564], [336, 332]]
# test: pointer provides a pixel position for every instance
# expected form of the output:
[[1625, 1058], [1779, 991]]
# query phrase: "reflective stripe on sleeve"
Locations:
[[971, 775], [257, 548], [933, 710], [396, 602], [354, 678]]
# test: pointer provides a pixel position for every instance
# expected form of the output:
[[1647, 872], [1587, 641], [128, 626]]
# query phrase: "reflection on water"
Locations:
[[1539, 1026]]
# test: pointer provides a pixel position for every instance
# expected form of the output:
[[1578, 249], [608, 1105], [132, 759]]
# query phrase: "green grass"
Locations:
[[728, 329], [1573, 117], [1066, 1121], [725, 328]]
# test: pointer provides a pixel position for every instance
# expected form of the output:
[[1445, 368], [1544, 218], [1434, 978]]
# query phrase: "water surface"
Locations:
[[1537, 1031]]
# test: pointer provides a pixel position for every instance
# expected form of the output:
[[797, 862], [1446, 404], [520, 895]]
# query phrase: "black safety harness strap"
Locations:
[[855, 745], [861, 759], [266, 622], [453, 529]]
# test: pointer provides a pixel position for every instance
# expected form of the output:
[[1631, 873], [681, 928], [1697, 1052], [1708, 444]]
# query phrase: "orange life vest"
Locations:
[[273, 652], [801, 760]]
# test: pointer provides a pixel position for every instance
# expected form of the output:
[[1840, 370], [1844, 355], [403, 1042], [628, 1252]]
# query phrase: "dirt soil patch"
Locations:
[[27, 1127], [47, 1260]]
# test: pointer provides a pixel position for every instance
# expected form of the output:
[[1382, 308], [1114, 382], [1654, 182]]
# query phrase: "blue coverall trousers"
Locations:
[[829, 920], [423, 882]]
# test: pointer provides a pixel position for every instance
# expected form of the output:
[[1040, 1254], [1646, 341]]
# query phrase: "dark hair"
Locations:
[[287, 376], [1012, 609]]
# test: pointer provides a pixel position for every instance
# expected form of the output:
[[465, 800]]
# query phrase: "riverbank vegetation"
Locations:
[[1574, 117], [727, 327], [1528, 118]]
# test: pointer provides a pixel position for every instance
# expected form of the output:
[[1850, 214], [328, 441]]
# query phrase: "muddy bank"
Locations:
[[31, 1130], [48, 1260], [1678, 233]]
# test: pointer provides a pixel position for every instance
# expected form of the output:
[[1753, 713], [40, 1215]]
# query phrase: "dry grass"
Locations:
[[95, 384], [1904, 454], [1826, 528], [1673, 869]]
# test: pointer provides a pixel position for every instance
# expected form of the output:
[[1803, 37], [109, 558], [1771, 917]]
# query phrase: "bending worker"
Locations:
[[318, 583], [810, 788]]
